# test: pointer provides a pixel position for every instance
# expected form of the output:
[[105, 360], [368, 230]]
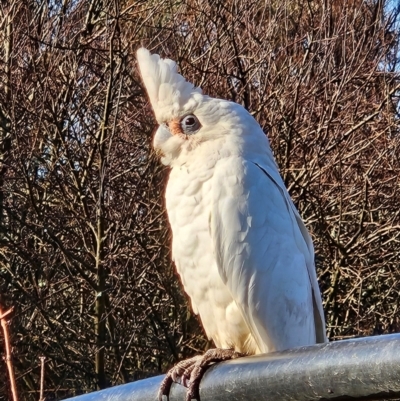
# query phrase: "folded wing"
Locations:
[[265, 255]]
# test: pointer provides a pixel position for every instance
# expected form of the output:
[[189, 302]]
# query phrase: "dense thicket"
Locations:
[[84, 243]]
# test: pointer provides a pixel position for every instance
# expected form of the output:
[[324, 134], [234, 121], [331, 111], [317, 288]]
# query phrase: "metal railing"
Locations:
[[356, 369]]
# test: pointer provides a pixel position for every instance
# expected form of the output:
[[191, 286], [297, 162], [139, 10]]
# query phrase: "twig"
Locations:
[[41, 398], [4, 325]]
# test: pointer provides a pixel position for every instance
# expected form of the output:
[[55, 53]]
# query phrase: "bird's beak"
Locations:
[[160, 137]]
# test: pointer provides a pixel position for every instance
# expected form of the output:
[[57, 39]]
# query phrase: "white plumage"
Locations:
[[243, 253]]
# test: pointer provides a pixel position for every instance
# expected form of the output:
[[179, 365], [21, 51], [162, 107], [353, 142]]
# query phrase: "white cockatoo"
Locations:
[[244, 256]]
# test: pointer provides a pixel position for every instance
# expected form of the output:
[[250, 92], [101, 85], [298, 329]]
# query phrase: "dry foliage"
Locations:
[[84, 244]]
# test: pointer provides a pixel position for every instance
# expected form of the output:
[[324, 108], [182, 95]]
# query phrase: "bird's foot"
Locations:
[[192, 370]]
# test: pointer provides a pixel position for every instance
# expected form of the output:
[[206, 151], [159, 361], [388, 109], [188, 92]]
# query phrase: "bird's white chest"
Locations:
[[189, 201]]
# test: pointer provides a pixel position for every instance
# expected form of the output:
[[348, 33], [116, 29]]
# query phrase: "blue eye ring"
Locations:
[[190, 124]]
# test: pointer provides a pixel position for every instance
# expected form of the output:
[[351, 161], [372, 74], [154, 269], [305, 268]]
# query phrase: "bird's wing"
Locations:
[[265, 254]]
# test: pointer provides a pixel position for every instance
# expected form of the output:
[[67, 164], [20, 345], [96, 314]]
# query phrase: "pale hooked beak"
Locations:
[[161, 136]]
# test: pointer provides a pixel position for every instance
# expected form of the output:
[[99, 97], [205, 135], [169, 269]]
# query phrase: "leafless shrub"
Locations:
[[84, 244]]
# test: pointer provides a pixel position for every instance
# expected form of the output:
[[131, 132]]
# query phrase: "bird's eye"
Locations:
[[190, 124]]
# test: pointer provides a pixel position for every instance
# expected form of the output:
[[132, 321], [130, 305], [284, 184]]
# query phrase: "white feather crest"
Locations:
[[169, 93]]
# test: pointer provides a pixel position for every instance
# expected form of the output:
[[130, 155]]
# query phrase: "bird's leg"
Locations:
[[173, 374], [192, 370], [196, 371]]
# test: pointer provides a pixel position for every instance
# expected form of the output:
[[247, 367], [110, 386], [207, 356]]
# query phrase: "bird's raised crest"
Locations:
[[169, 93]]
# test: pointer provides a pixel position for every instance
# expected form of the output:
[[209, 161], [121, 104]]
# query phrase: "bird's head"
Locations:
[[192, 124]]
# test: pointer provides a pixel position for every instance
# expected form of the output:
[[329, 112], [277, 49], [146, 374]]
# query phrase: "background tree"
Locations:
[[84, 244]]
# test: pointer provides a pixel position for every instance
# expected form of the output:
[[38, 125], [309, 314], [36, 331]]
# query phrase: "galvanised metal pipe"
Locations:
[[356, 369]]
